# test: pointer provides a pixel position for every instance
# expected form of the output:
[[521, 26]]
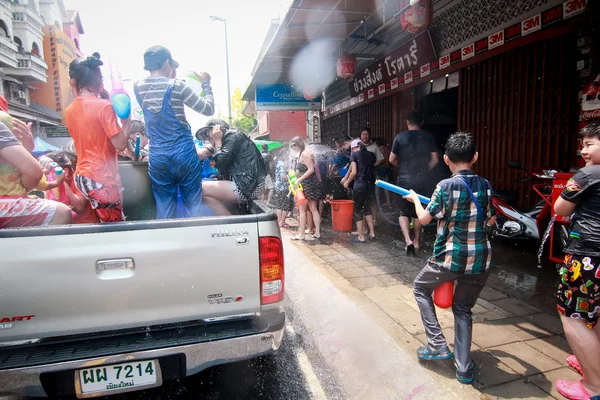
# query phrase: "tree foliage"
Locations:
[[241, 122]]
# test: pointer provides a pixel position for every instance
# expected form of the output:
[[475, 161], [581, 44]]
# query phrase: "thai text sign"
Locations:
[[414, 53]]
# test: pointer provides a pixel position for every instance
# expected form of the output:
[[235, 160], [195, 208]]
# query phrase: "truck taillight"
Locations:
[[271, 270]]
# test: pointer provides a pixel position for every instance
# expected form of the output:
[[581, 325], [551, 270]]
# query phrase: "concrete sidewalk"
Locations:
[[364, 358], [518, 340]]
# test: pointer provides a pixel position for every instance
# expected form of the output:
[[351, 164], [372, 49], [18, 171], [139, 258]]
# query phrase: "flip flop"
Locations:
[[573, 390], [357, 240], [296, 238], [573, 363]]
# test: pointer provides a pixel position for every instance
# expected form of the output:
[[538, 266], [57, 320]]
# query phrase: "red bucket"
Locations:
[[341, 215]]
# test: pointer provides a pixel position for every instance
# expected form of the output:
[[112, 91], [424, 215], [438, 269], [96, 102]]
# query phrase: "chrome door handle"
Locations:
[[243, 240], [120, 268]]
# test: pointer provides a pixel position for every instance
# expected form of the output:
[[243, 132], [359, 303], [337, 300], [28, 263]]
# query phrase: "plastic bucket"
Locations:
[[341, 215]]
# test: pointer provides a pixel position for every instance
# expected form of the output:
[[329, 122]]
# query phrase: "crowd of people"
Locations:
[[87, 189]]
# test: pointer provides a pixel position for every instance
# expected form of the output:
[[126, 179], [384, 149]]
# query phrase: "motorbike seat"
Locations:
[[508, 196]]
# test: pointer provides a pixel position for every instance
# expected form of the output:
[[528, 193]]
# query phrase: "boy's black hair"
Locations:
[[460, 147], [415, 118], [592, 130], [368, 130]]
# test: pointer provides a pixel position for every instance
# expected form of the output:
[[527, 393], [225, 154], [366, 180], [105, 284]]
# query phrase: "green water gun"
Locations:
[[298, 193]]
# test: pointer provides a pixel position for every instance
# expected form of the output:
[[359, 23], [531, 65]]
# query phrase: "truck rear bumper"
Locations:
[[199, 356]]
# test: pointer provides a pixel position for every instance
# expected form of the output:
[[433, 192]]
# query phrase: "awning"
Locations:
[[272, 145], [42, 147], [358, 27]]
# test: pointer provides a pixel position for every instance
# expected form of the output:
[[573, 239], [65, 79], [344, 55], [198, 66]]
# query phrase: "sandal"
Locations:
[[573, 390], [315, 236], [573, 363], [357, 240], [296, 238], [285, 226]]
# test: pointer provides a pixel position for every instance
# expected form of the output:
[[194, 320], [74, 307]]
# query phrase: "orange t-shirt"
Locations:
[[92, 123]]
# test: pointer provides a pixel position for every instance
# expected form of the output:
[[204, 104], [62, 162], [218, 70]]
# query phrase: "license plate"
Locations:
[[118, 378]]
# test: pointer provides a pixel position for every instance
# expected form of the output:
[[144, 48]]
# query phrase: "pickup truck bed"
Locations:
[[181, 294]]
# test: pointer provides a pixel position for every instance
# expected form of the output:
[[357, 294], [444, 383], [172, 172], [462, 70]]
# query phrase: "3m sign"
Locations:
[[425, 70], [496, 40], [445, 61], [408, 77], [531, 25], [467, 51], [573, 7]]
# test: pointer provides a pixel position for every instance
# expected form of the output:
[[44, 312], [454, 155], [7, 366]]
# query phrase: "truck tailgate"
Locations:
[[88, 282]]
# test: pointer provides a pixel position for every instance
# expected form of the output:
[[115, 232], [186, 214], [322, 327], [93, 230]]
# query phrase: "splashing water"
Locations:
[[544, 239], [321, 153]]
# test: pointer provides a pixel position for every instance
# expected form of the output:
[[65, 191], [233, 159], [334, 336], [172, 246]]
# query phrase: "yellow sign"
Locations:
[[59, 51]]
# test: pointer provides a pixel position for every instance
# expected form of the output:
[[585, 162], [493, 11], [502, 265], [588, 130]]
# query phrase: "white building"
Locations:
[[22, 54]]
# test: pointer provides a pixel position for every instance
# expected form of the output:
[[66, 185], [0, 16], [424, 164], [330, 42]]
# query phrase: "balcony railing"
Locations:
[[27, 61], [8, 52], [23, 13]]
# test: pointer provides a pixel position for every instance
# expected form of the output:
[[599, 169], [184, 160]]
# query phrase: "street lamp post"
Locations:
[[214, 18]]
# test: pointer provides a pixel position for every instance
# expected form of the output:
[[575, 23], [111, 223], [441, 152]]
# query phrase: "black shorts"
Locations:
[[579, 289], [405, 207], [363, 199]]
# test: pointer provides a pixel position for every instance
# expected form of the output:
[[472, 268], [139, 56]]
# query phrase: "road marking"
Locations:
[[314, 386]]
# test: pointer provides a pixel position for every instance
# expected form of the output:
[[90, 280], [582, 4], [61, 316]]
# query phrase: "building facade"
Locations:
[[28, 61]]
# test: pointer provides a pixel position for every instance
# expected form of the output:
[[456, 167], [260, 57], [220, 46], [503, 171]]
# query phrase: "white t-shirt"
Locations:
[[373, 148]]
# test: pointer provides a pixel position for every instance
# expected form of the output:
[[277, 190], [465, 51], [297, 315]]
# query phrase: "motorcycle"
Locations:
[[515, 224]]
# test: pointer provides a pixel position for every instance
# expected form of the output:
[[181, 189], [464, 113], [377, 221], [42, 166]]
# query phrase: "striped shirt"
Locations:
[[152, 92], [461, 244]]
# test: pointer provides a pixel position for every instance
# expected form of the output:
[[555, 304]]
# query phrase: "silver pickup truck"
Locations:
[[93, 310]]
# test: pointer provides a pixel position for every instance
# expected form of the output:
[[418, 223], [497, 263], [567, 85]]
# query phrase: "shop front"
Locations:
[[513, 80]]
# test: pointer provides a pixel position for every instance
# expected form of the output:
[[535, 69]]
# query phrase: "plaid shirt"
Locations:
[[462, 244]]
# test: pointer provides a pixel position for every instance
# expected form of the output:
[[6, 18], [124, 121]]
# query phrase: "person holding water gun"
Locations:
[[462, 252], [20, 172], [138, 134], [92, 123], [174, 164], [313, 190], [67, 193]]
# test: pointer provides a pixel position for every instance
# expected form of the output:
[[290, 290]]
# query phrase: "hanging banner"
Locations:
[[283, 98], [410, 55]]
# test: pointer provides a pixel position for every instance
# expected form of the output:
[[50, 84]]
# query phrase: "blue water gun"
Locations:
[[400, 190]]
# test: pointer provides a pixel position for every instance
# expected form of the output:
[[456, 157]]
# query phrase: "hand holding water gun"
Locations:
[[296, 187], [119, 97]]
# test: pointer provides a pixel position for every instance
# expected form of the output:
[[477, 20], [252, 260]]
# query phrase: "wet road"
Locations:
[[288, 374]]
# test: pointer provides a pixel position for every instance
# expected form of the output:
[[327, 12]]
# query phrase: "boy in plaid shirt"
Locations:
[[462, 205]]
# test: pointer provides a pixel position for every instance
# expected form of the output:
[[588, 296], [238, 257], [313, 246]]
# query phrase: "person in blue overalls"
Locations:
[[173, 162]]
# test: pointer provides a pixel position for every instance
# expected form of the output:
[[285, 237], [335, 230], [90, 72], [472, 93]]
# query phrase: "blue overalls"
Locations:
[[173, 161]]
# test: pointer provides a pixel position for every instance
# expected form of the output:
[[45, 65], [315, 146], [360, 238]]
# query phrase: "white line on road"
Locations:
[[314, 386]]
